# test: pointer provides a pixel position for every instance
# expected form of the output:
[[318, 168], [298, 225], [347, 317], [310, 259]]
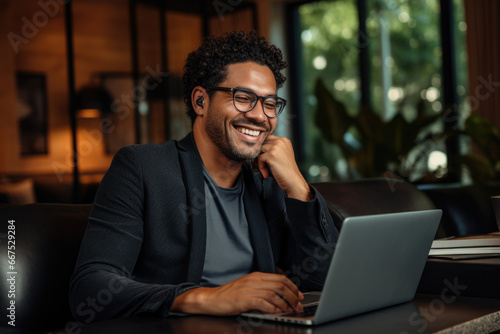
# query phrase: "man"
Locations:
[[190, 226]]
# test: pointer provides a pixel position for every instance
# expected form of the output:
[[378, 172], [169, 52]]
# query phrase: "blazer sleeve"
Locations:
[[103, 285], [307, 235]]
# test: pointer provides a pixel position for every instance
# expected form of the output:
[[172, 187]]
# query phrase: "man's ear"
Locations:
[[199, 99]]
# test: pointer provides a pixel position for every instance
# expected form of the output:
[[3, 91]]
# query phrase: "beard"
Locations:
[[226, 142]]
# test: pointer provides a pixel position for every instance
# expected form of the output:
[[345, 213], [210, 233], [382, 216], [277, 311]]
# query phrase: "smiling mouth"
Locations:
[[253, 133]]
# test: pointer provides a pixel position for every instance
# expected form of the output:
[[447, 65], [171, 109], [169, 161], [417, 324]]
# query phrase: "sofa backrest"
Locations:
[[467, 209], [372, 196], [47, 240]]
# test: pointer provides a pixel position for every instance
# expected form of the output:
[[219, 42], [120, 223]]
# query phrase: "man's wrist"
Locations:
[[303, 193], [190, 301]]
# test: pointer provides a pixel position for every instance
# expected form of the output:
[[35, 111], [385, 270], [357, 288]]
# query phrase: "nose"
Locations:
[[257, 113]]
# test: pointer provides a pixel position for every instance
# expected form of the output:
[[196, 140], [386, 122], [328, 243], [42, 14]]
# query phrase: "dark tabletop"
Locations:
[[425, 314]]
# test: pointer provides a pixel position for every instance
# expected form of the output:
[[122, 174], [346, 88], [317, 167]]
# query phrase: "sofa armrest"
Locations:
[[467, 209], [47, 241], [371, 196]]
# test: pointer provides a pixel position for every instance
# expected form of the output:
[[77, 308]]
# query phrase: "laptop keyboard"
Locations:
[[308, 311]]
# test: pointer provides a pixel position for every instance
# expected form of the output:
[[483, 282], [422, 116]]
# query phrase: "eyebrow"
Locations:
[[241, 87]]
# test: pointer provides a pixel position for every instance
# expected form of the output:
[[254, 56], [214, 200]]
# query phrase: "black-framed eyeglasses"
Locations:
[[245, 100]]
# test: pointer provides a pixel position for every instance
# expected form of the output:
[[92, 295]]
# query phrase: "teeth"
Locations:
[[249, 132]]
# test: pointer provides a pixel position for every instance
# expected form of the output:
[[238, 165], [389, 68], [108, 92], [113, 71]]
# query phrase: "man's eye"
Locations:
[[270, 105], [243, 99]]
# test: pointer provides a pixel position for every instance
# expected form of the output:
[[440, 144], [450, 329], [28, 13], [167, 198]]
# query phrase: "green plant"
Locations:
[[483, 160], [376, 147]]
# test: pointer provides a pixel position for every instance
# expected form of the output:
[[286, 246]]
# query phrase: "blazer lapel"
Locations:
[[192, 171], [257, 223]]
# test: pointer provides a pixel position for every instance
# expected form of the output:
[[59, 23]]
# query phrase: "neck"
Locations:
[[223, 170]]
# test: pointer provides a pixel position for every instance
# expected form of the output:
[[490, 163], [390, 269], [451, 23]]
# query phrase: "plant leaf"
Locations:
[[479, 167], [331, 116]]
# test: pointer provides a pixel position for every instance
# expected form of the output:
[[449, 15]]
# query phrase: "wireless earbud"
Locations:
[[199, 101]]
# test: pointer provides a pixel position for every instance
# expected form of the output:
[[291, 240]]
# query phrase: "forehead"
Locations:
[[251, 75]]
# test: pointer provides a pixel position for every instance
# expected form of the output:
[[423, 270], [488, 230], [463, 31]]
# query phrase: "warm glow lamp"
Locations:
[[91, 101]]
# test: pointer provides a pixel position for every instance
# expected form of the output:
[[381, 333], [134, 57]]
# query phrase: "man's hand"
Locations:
[[277, 154], [264, 292]]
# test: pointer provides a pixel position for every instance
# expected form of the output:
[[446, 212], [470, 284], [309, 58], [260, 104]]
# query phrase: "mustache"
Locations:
[[252, 123]]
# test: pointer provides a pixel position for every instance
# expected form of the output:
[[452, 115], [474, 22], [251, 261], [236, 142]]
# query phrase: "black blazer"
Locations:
[[146, 238]]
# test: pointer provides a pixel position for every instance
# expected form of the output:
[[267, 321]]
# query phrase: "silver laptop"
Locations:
[[378, 262]]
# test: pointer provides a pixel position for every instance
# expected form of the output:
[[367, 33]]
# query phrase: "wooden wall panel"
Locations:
[[184, 34], [42, 52], [101, 44], [237, 20], [483, 47]]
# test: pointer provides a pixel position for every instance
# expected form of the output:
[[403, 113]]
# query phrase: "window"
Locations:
[[328, 33], [373, 92]]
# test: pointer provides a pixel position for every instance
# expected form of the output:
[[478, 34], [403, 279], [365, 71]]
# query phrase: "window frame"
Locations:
[[449, 77]]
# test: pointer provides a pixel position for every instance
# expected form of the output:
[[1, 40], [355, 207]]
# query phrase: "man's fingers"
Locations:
[[277, 300], [262, 165], [285, 280], [282, 290], [264, 305], [262, 298]]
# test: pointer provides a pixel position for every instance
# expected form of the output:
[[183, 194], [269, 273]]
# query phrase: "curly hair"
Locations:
[[207, 66]]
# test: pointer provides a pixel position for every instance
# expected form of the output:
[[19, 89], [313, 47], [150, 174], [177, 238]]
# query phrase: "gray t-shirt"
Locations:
[[229, 252]]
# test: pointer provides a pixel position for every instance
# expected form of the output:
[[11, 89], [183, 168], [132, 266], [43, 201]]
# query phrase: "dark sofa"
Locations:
[[47, 241], [372, 196], [48, 237], [467, 209], [46, 189]]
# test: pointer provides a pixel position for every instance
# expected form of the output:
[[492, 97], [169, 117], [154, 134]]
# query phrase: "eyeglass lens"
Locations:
[[245, 101]]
